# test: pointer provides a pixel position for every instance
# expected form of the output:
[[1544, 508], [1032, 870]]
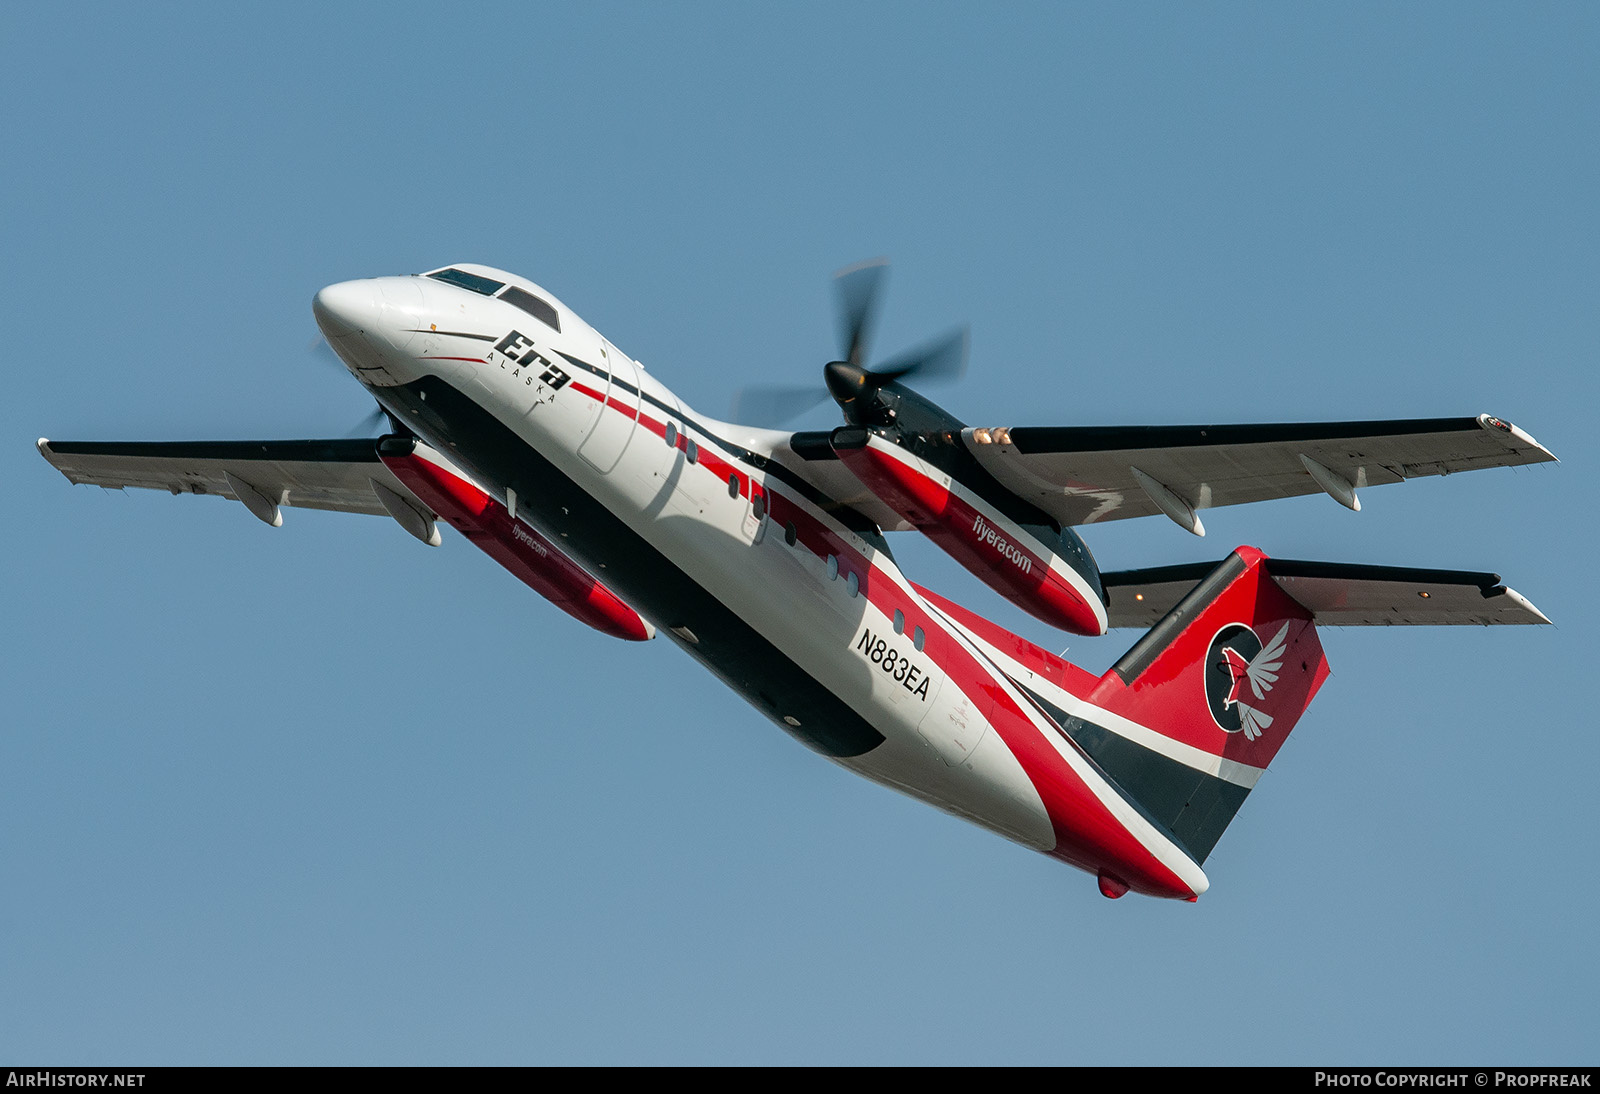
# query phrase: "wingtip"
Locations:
[[1522, 436], [1526, 605], [43, 445]]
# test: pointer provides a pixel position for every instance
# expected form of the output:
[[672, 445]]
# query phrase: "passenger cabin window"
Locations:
[[541, 310], [484, 285]]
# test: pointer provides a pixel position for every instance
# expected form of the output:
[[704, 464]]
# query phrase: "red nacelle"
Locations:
[[538, 562], [1008, 559]]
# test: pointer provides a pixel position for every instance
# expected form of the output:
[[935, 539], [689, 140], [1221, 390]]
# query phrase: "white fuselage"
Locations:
[[824, 597]]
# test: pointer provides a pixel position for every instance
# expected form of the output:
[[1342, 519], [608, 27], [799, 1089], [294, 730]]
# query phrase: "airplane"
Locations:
[[763, 554]]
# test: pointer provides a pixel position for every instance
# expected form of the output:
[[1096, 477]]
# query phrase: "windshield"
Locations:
[[484, 285], [539, 309]]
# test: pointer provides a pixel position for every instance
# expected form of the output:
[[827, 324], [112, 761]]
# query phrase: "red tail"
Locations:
[[1228, 671]]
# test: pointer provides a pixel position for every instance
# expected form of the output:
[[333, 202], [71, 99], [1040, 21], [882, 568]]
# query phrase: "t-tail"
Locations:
[[1221, 680], [1189, 718]]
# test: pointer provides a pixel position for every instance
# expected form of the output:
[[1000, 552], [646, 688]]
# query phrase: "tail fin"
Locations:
[[1212, 691]]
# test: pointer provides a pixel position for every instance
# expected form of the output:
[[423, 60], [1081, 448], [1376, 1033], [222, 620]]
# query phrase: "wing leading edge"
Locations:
[[345, 476], [1086, 474]]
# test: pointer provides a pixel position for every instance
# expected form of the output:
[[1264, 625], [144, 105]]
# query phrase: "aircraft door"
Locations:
[[755, 521], [619, 411]]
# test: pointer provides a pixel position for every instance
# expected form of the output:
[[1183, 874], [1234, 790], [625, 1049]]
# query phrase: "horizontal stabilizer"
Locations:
[[1338, 594]]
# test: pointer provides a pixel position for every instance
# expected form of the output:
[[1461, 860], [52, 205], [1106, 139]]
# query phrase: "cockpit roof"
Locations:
[[516, 291]]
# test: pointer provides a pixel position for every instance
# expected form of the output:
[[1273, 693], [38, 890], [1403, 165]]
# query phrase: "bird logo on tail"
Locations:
[[1240, 666]]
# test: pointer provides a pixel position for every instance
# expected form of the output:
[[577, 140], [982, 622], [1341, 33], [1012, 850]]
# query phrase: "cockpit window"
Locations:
[[539, 309], [477, 284]]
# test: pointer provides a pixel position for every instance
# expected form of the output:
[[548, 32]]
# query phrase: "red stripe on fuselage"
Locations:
[[1059, 671], [709, 460]]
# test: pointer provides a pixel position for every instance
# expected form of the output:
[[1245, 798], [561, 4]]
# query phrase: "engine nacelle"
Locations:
[[489, 524], [1017, 562]]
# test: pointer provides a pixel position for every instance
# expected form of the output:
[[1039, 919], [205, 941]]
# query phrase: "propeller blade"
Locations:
[[860, 292], [319, 347], [940, 359], [366, 426], [761, 404]]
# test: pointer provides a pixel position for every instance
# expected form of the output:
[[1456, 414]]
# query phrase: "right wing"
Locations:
[[1086, 474]]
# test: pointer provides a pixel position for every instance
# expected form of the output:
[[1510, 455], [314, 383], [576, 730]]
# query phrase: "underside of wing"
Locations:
[[341, 475], [377, 476], [1082, 475], [1337, 594]]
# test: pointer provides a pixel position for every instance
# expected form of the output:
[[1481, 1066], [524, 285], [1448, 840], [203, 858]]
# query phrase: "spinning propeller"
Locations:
[[855, 387], [320, 348]]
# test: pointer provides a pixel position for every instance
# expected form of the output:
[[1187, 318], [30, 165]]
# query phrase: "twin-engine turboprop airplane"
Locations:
[[762, 554]]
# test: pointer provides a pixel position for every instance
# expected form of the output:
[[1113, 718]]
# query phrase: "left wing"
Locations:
[[1086, 474], [356, 476], [342, 475]]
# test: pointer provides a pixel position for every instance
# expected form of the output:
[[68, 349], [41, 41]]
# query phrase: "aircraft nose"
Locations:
[[344, 308]]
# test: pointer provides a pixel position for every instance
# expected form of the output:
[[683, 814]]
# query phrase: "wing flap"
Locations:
[[1337, 594], [1083, 475], [334, 475]]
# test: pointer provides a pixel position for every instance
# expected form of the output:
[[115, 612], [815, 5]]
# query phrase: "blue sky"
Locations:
[[322, 795]]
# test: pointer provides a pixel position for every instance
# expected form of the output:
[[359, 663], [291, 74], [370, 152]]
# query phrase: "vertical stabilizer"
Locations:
[[1223, 678]]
